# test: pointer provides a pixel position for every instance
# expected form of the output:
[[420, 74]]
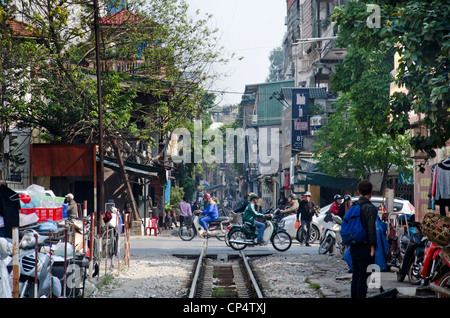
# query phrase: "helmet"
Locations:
[[337, 197], [293, 196], [347, 197], [252, 196], [207, 196]]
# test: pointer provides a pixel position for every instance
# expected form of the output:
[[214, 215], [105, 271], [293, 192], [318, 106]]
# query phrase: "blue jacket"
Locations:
[[381, 251], [211, 210]]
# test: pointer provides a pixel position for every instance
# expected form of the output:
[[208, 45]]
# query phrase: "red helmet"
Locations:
[[207, 196]]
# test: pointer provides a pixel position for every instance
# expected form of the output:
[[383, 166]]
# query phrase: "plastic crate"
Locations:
[[45, 214], [27, 211]]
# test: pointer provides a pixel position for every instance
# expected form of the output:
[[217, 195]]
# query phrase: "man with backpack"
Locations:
[[359, 232]]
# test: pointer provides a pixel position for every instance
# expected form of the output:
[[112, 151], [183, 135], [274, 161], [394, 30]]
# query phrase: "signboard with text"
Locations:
[[300, 125]]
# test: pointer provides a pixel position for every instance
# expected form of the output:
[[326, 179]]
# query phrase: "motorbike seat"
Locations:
[[221, 219]]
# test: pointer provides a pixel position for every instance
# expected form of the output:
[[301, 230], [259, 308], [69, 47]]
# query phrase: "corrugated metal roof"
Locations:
[[269, 108]]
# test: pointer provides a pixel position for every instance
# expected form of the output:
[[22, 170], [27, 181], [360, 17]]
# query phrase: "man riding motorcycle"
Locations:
[[211, 212], [249, 216]]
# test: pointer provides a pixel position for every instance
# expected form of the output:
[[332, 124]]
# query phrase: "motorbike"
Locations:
[[413, 256], [28, 266], [331, 240], [242, 235], [442, 285], [192, 227]]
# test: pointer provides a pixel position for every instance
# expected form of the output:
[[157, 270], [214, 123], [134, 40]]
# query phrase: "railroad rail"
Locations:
[[218, 279]]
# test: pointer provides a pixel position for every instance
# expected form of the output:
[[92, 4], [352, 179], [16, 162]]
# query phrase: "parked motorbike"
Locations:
[[433, 265], [413, 256], [242, 235], [442, 285], [27, 265], [192, 227], [331, 240]]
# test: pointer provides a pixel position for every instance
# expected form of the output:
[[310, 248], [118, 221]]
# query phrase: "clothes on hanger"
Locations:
[[440, 185]]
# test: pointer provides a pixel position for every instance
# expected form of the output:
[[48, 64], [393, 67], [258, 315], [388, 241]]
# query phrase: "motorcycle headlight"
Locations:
[[27, 239]]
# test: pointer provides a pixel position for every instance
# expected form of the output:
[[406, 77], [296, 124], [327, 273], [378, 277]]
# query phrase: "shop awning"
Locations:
[[140, 170], [323, 180]]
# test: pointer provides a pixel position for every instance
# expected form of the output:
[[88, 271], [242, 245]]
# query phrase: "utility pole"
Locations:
[[101, 193]]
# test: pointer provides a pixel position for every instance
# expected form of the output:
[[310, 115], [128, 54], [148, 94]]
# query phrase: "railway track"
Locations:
[[218, 279]]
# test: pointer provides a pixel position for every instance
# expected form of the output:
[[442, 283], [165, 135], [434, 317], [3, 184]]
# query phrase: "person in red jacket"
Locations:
[[336, 204]]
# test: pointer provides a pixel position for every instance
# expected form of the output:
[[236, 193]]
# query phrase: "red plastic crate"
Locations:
[[27, 211], [45, 214]]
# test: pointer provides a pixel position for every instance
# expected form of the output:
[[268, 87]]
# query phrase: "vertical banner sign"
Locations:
[[300, 125]]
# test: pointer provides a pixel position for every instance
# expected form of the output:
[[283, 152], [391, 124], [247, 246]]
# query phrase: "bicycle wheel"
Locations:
[[187, 232]]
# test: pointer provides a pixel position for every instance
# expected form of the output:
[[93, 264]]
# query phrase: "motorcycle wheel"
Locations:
[[326, 245], [414, 272], [187, 232], [236, 236], [444, 283], [281, 241], [400, 277]]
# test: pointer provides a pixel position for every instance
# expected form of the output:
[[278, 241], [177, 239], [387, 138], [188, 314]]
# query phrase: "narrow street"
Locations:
[[267, 124]]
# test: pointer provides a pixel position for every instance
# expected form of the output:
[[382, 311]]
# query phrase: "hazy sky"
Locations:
[[251, 29]]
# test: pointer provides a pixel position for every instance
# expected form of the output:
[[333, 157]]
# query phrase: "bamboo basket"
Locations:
[[437, 228]]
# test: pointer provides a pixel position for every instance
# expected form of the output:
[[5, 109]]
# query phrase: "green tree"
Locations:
[[276, 59], [419, 32], [175, 54], [346, 146], [176, 196]]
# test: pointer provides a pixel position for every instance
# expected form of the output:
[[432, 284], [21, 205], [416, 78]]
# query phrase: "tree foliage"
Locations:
[[349, 145], [276, 59], [156, 62], [419, 32]]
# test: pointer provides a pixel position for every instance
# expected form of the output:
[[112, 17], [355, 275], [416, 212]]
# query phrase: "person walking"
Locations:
[[305, 212], [185, 210], [363, 254]]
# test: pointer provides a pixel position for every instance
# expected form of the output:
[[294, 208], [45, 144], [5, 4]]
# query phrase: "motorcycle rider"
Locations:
[[211, 212], [334, 208], [250, 214], [345, 206], [293, 205]]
